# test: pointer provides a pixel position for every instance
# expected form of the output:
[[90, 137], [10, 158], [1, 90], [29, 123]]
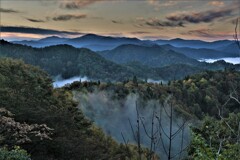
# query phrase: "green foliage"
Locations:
[[27, 92], [203, 93], [198, 95], [68, 61], [15, 154], [216, 139], [12, 132], [152, 56]]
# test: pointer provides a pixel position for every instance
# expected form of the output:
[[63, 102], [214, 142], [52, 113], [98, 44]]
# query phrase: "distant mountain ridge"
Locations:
[[90, 41], [204, 53], [154, 62], [196, 49], [153, 56], [178, 42], [66, 61]]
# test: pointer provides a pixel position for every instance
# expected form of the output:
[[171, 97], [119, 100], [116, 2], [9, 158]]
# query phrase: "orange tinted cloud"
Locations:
[[76, 4], [216, 3], [9, 35]]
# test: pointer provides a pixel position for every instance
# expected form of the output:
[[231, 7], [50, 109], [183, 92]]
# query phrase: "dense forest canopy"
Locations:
[[43, 122], [27, 93], [67, 61]]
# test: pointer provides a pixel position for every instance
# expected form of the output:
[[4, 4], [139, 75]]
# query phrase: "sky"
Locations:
[[207, 20]]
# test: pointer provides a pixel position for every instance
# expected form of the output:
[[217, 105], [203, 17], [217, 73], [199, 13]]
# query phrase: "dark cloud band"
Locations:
[[198, 17], [68, 17], [159, 23], [2, 10], [30, 30], [77, 4], [35, 20]]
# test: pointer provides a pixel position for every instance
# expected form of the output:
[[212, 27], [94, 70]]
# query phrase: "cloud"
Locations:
[[2, 10], [31, 30], [216, 3], [156, 23], [77, 4], [198, 17], [208, 33], [139, 32], [116, 22], [160, 23], [160, 4], [35, 20], [181, 19], [68, 17], [155, 37], [115, 34]]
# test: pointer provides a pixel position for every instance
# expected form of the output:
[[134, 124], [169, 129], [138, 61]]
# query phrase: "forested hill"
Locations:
[[209, 101], [45, 121], [67, 61], [197, 95], [153, 56]]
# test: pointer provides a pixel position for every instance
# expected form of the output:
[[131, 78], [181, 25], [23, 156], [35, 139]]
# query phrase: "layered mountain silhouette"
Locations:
[[178, 42], [123, 62], [153, 56], [206, 53], [196, 49], [90, 41]]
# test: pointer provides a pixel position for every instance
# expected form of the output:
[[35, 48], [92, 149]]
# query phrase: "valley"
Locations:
[[119, 80]]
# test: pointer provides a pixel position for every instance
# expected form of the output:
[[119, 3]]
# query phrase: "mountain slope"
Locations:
[[153, 56], [67, 61], [194, 43], [48, 41], [27, 92], [231, 48], [90, 41], [202, 53]]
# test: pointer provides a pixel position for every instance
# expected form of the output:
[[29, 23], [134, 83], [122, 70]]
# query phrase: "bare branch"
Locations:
[[235, 36], [234, 98], [220, 147], [134, 136], [219, 114], [124, 140]]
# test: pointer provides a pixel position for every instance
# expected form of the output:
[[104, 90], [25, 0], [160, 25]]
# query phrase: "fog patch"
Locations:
[[233, 60], [59, 82], [156, 81], [113, 116]]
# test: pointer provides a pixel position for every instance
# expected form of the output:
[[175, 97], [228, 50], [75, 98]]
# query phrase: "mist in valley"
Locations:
[[116, 116], [59, 82], [233, 60]]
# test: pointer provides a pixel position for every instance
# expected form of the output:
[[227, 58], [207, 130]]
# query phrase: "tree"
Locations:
[[135, 81], [215, 140], [15, 154], [15, 133], [219, 138], [159, 137]]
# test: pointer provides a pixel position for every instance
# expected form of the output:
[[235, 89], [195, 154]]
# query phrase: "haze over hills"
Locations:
[[206, 53], [91, 41], [178, 42], [153, 56], [121, 63], [196, 49], [66, 61]]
